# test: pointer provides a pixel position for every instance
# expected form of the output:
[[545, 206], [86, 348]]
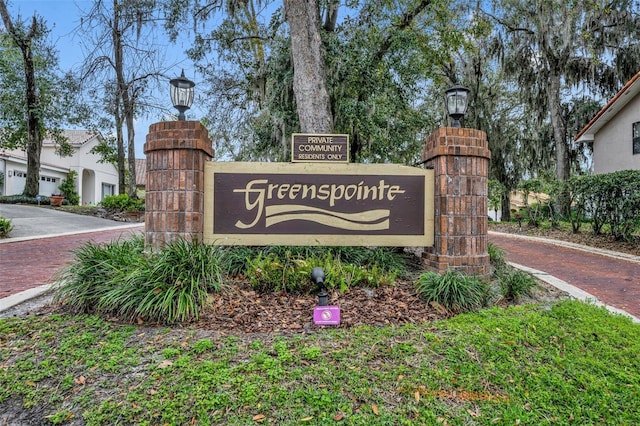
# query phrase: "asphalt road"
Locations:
[[32, 221]]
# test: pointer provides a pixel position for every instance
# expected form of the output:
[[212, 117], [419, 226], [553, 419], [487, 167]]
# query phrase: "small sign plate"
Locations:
[[319, 148], [326, 315]]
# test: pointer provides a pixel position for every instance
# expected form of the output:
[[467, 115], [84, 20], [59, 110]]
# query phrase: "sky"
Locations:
[[62, 17]]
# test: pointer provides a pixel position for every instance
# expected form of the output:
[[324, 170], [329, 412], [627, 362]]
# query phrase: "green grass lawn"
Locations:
[[569, 363]]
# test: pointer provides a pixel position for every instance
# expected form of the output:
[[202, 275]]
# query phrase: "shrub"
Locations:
[[515, 283], [611, 199], [234, 260], [270, 273], [122, 202], [386, 257], [22, 199], [97, 268], [5, 227], [290, 272], [68, 188], [454, 290]]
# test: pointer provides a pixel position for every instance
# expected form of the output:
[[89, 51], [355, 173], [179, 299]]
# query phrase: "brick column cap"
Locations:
[[171, 135], [456, 141]]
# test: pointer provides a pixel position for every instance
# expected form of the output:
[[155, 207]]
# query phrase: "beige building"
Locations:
[[94, 180], [615, 131]]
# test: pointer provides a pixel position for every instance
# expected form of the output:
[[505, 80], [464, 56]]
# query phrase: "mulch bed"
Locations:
[[243, 310], [240, 309]]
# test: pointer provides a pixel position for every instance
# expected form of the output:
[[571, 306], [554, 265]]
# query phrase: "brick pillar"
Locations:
[[460, 159], [176, 152]]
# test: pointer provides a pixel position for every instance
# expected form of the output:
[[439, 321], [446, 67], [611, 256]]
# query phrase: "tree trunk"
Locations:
[[119, 107], [559, 136], [506, 207], [34, 136], [120, 147], [555, 109], [131, 147], [309, 76]]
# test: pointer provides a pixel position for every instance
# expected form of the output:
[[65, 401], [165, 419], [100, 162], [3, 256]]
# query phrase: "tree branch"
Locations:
[[406, 20], [509, 27]]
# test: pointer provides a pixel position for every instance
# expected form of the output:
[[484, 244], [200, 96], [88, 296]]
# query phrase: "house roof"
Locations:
[[619, 101], [22, 159], [75, 137]]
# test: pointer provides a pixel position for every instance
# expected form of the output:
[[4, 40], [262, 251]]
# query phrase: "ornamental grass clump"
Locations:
[[95, 270], [454, 290], [120, 279], [497, 257], [514, 284]]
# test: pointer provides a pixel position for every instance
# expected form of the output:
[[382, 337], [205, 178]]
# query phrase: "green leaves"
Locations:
[[289, 271], [5, 227], [454, 290], [122, 202], [57, 101], [121, 279], [611, 199]]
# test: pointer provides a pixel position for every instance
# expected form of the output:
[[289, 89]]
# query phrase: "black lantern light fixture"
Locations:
[[457, 100], [182, 94]]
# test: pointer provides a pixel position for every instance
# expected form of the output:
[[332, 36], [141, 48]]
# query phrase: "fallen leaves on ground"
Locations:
[[241, 309]]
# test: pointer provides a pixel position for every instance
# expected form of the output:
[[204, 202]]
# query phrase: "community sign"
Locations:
[[318, 204], [319, 148]]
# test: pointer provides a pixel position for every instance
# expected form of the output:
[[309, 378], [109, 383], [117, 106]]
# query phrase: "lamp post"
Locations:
[[182, 94], [457, 100]]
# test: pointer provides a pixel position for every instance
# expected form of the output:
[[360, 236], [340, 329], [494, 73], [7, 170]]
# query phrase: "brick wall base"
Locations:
[[460, 159], [176, 152]]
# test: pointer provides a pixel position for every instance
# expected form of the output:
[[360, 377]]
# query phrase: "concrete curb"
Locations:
[[588, 249], [573, 291], [18, 298], [85, 231]]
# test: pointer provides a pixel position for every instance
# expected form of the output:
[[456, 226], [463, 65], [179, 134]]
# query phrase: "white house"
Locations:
[[615, 131], [94, 180]]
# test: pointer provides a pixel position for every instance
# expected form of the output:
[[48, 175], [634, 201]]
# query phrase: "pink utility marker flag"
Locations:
[[326, 315]]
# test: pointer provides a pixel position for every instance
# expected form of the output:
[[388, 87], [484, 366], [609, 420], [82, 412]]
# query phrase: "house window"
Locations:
[[108, 189], [636, 138]]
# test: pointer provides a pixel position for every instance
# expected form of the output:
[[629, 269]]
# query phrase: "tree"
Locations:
[[551, 46], [37, 101], [122, 59], [25, 37], [495, 108], [377, 63], [384, 68]]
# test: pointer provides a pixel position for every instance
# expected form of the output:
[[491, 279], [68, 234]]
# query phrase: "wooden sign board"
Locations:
[[319, 148], [318, 204]]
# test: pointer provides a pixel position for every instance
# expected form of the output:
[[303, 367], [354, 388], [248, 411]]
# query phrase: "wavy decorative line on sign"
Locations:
[[371, 220], [363, 217], [331, 221]]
